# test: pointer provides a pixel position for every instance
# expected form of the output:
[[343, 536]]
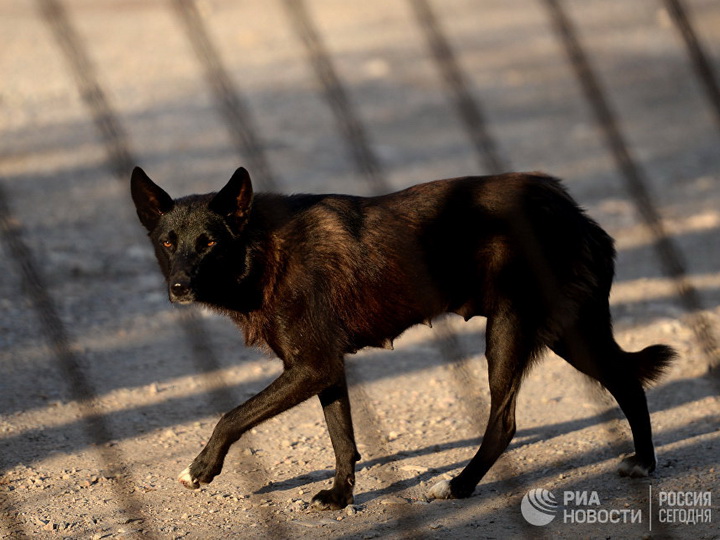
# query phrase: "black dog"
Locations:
[[315, 277]]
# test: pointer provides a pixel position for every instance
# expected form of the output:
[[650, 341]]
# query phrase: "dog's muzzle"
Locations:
[[180, 292]]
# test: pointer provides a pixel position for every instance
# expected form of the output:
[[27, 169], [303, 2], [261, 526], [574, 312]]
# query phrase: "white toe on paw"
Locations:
[[441, 490], [187, 480], [630, 467], [317, 504], [633, 470]]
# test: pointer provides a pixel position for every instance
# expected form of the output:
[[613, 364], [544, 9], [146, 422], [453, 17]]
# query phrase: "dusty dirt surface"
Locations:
[[156, 378]]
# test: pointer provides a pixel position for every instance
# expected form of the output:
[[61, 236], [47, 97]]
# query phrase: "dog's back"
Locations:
[[468, 245]]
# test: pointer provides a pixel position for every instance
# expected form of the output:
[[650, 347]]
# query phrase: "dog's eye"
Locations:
[[211, 243], [167, 244]]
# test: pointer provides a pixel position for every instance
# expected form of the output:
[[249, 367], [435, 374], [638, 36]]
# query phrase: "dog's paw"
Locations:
[[201, 471], [187, 480], [329, 499], [441, 490], [634, 467]]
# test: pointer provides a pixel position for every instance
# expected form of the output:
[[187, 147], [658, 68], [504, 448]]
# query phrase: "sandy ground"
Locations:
[[106, 467]]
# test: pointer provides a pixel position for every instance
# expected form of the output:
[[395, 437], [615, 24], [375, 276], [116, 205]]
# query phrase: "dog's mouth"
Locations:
[[185, 300]]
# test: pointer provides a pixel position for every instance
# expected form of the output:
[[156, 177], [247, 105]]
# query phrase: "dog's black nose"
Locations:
[[179, 290]]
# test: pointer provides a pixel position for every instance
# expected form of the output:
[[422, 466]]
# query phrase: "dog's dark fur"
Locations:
[[315, 277]]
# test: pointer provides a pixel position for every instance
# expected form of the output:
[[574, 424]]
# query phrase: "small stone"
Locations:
[[393, 500], [414, 468], [308, 524]]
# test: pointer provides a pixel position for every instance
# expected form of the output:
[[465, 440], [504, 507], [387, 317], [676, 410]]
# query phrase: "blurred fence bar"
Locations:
[[636, 182], [698, 57], [244, 133], [231, 106]]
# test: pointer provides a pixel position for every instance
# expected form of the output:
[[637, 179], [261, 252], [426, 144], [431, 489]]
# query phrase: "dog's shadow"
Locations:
[[669, 396]]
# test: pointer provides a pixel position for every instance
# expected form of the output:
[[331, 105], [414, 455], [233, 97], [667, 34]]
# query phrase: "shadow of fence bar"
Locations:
[[243, 132]]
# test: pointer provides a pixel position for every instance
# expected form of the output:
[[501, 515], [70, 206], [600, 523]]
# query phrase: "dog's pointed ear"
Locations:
[[235, 199], [151, 202]]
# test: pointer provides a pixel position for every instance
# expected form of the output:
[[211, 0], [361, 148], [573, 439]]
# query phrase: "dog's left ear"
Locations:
[[235, 199]]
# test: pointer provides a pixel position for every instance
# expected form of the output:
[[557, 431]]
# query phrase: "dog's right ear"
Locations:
[[151, 202]]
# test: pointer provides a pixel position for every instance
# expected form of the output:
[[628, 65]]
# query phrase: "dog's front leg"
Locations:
[[295, 385], [336, 407]]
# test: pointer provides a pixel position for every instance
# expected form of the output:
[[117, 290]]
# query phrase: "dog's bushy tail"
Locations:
[[650, 363]]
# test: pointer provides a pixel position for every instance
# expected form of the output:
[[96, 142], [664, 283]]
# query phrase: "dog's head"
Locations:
[[196, 238]]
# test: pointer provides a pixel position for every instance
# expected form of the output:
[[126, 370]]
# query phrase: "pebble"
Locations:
[[297, 505], [414, 468], [308, 524], [393, 500]]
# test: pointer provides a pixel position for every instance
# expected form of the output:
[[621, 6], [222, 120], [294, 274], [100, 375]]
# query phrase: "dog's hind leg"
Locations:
[[631, 398], [336, 407], [508, 353], [590, 347]]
